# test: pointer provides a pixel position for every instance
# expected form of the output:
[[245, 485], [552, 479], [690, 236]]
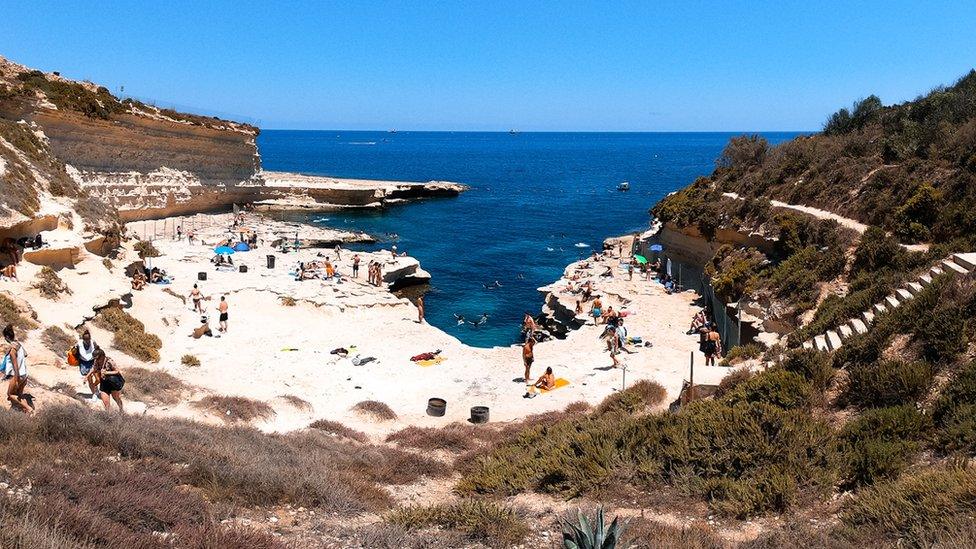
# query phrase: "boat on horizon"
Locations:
[[623, 186]]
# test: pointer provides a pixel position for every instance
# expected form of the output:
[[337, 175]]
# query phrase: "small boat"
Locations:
[[623, 186], [513, 132]]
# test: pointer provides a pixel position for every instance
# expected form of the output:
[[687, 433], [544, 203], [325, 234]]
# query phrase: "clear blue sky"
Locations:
[[616, 66]]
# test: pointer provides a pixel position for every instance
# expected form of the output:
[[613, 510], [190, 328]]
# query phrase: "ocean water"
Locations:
[[538, 201]]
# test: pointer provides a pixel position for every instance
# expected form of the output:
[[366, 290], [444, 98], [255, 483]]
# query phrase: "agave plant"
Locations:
[[585, 535]]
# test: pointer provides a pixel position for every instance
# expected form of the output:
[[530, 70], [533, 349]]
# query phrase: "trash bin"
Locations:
[[201, 276], [271, 261], [242, 268]]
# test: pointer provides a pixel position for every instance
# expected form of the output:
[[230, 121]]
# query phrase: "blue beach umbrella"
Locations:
[[656, 248], [242, 247], [223, 250]]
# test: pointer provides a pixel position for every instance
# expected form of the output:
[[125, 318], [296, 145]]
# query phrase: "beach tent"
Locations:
[[242, 247], [656, 248], [223, 250], [640, 259]]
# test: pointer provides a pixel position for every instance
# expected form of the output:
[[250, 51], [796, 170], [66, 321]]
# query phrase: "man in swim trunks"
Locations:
[[223, 314], [355, 266], [528, 356]]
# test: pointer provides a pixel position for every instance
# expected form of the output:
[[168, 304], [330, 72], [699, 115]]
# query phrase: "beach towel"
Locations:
[[425, 356], [356, 361], [560, 382], [287, 349], [432, 362]]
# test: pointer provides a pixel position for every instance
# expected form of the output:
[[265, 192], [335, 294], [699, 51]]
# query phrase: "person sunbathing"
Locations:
[[202, 330], [547, 382], [138, 281], [10, 271], [697, 322]]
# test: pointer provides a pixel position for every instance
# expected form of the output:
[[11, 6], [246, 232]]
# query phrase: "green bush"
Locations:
[[954, 414], [742, 352], [638, 397], [881, 443], [813, 366], [888, 383], [130, 334], [732, 380], [480, 520], [777, 387], [908, 509], [875, 251]]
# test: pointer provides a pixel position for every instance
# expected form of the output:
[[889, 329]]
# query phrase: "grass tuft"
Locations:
[[338, 429], [49, 284], [235, 408], [376, 409], [479, 520]]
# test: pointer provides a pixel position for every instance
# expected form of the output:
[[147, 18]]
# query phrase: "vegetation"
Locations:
[[235, 408], [954, 414], [97, 103], [586, 534], [479, 520], [338, 429], [130, 334], [639, 397], [153, 386], [741, 353], [49, 284], [190, 360], [57, 340], [297, 403], [888, 383], [10, 313], [146, 249], [287, 301], [376, 409]]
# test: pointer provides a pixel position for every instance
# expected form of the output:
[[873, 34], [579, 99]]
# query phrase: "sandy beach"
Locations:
[[272, 350]]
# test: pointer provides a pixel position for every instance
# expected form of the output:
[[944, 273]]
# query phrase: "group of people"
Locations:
[[10, 253], [144, 276], [709, 340]]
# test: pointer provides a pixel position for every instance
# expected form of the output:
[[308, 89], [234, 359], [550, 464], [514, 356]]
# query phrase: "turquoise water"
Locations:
[[538, 201]]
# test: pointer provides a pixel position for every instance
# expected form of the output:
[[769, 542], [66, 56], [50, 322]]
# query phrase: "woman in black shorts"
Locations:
[[110, 380]]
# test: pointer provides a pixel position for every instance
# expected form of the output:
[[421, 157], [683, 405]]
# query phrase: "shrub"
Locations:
[[57, 340], [287, 301], [582, 533], [49, 284], [638, 397], [875, 251], [888, 383], [297, 403], [10, 313], [743, 152], [954, 414], [107, 263], [880, 443], [732, 380], [777, 387], [235, 408], [914, 506], [644, 533], [130, 334], [942, 332], [190, 360], [338, 429], [813, 366], [456, 437], [146, 249], [153, 386], [376, 409], [480, 520], [742, 352]]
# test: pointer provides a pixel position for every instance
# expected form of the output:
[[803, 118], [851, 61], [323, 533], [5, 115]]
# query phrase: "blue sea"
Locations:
[[538, 201]]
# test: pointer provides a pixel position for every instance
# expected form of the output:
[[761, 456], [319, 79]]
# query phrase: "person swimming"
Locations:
[[492, 286], [481, 321], [459, 318]]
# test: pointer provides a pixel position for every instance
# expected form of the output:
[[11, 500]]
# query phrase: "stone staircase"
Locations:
[[957, 264]]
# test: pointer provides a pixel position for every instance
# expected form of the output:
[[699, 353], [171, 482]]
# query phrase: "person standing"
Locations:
[[712, 347], [110, 380], [528, 357], [197, 298], [85, 351], [420, 310], [338, 250], [355, 266], [14, 363], [223, 314]]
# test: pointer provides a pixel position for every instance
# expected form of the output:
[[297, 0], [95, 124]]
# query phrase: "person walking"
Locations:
[[110, 380], [712, 347], [14, 366], [355, 266], [222, 307], [197, 297], [528, 357], [85, 352]]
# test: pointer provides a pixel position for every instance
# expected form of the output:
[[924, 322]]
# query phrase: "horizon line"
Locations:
[[741, 132]]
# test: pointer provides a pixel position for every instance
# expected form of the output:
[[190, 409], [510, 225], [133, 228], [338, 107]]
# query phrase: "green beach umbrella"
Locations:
[[640, 259]]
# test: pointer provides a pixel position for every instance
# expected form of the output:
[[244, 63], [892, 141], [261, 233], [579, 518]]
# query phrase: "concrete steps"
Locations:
[[956, 264]]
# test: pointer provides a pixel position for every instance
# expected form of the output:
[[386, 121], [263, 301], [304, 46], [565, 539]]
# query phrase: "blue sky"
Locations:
[[546, 66]]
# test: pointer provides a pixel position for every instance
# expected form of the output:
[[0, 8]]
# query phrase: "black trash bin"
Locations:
[[271, 261], [242, 268], [201, 276]]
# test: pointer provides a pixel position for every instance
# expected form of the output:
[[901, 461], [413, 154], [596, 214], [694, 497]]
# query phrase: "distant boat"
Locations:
[[391, 131], [513, 132], [623, 186]]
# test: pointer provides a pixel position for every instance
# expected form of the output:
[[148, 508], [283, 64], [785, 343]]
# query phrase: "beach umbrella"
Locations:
[[242, 247], [223, 250], [656, 248], [640, 259]]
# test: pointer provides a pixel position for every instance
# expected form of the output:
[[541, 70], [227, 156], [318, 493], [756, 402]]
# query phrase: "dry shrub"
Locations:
[[235, 408], [107, 263], [479, 520], [287, 301], [578, 407], [153, 386], [376, 409], [57, 340], [642, 533], [338, 429], [456, 437], [146, 249], [10, 313], [49, 284], [638, 397], [297, 402], [130, 334], [190, 360], [170, 291], [68, 390]]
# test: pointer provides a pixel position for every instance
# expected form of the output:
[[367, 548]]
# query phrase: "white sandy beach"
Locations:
[[273, 350]]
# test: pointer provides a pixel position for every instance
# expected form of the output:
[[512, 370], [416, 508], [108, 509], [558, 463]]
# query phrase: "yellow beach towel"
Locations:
[[431, 362], [560, 382]]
